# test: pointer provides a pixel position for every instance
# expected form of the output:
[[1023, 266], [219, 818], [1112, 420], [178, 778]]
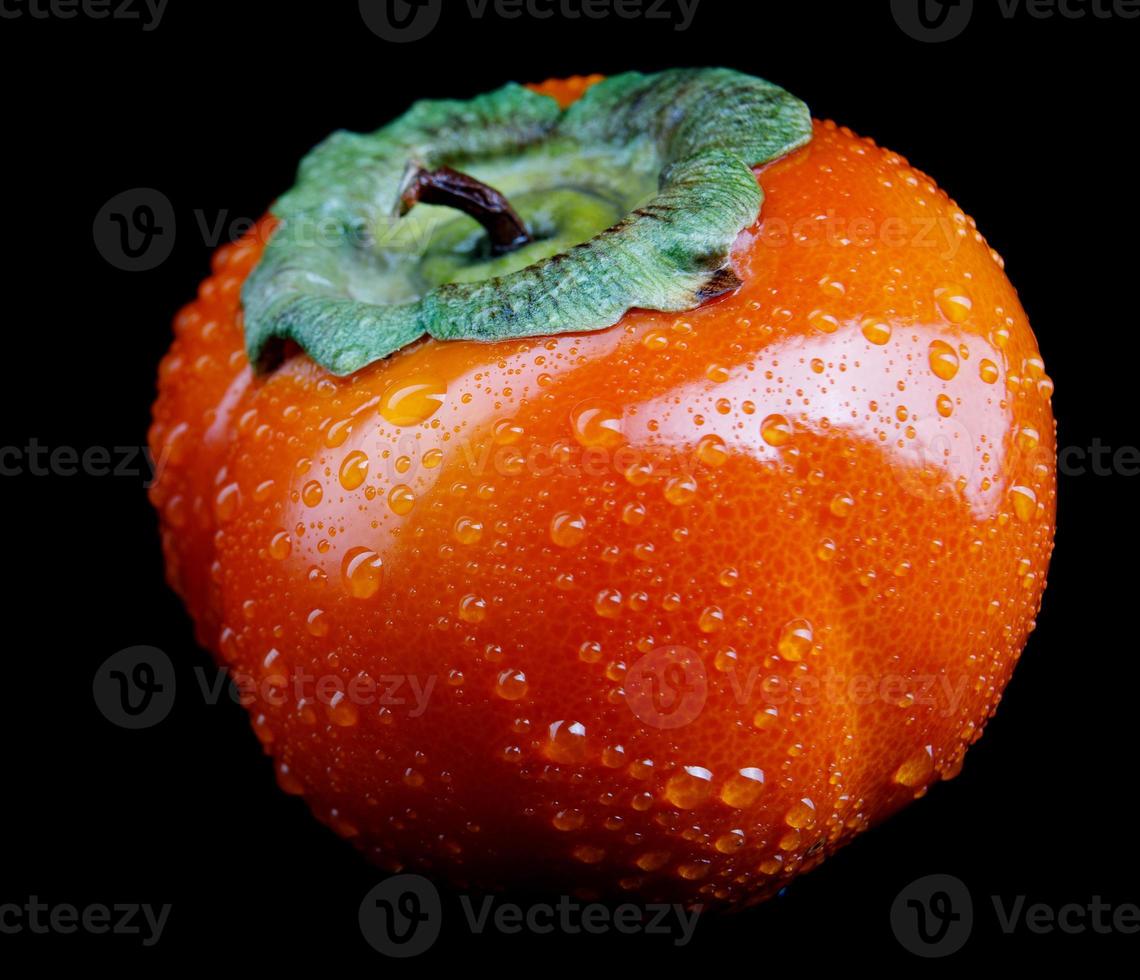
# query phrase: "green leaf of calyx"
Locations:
[[631, 197]]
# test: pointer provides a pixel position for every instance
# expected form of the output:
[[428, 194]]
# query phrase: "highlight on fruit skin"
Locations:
[[671, 609]]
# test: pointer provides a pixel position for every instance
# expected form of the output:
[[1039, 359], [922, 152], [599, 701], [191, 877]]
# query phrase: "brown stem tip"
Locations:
[[453, 189]]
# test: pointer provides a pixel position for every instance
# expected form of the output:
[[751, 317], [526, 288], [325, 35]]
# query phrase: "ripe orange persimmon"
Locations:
[[673, 608]]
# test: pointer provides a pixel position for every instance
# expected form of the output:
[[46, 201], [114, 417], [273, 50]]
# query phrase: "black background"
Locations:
[[1027, 123]]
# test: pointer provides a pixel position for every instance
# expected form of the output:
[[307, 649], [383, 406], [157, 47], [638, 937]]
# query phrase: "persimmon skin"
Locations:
[[853, 568]]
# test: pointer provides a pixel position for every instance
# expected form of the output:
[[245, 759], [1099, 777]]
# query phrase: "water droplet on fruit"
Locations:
[[1024, 502], [796, 640], [711, 620], [633, 513], [743, 788], [507, 432], [401, 499], [472, 609], [680, 490], [511, 685], [776, 430], [652, 860], [311, 493], [731, 842], [566, 742], [689, 787], [800, 815], [568, 819], [712, 451], [588, 854], [413, 400], [590, 652], [342, 712], [337, 433], [842, 504], [693, 870], [281, 545], [823, 322], [362, 572], [876, 331], [953, 302], [467, 530], [317, 623], [917, 770], [607, 603], [596, 423], [353, 470], [943, 359], [567, 530]]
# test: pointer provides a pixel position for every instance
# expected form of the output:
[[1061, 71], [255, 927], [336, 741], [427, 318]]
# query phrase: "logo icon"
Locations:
[[401, 21], [931, 21], [134, 688], [401, 917], [933, 916], [134, 231], [667, 688]]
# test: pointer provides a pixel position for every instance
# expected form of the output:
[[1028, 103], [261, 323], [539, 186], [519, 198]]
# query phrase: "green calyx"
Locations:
[[631, 197]]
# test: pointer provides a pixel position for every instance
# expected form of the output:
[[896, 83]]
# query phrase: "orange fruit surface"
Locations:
[[673, 609]]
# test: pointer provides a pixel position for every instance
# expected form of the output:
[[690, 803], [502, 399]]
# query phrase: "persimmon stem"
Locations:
[[453, 189]]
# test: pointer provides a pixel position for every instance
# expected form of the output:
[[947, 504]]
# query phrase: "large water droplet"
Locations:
[[566, 742], [953, 302], [680, 490], [876, 331], [712, 451], [467, 530], [401, 499], [472, 609], [776, 430], [596, 423], [743, 788], [1024, 502], [362, 572], [413, 400], [567, 530], [800, 815], [353, 470], [796, 640], [281, 545], [917, 770], [689, 787], [511, 685], [943, 359]]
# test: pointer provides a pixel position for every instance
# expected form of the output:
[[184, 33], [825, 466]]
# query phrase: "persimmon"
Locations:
[[671, 605]]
